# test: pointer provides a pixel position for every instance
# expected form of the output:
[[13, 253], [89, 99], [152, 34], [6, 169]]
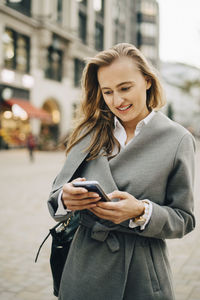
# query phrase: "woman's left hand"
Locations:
[[127, 207]]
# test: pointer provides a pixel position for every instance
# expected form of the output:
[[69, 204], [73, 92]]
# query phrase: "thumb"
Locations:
[[117, 195], [79, 179]]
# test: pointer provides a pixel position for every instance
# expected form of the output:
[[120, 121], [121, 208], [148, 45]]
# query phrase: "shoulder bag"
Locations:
[[62, 235]]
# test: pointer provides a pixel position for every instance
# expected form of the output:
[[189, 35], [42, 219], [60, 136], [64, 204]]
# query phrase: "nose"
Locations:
[[117, 99]]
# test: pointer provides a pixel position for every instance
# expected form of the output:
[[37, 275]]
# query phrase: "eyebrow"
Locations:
[[118, 85]]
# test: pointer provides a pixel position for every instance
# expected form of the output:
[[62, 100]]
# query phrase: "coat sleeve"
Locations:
[[53, 205], [176, 217], [53, 197]]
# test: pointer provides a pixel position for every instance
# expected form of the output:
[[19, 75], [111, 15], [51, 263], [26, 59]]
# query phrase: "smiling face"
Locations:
[[124, 90]]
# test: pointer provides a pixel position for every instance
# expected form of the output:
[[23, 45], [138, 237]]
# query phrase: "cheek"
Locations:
[[141, 95], [107, 101]]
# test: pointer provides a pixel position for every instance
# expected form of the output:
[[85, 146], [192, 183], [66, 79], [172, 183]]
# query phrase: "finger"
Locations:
[[79, 189], [112, 216], [70, 189], [94, 211], [109, 205], [83, 196], [100, 215], [79, 179], [81, 207], [81, 202], [105, 212]]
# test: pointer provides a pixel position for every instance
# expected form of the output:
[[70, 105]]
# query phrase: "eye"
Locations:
[[125, 88], [108, 93]]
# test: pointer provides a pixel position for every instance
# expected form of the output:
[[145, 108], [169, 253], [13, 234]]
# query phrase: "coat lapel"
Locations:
[[78, 154], [75, 157], [105, 175], [139, 141]]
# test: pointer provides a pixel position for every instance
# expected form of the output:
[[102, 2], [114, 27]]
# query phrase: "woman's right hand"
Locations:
[[78, 198]]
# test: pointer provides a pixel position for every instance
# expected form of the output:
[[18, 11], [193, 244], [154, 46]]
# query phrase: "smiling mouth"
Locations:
[[124, 108]]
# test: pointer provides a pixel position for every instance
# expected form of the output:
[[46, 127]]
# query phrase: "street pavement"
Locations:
[[25, 221]]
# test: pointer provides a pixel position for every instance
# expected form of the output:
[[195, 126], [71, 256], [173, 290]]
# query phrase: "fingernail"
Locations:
[[95, 195]]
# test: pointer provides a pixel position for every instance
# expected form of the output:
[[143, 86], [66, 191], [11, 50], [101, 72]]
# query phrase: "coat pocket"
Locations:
[[151, 267]]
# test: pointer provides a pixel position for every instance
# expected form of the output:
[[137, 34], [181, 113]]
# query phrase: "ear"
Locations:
[[148, 84]]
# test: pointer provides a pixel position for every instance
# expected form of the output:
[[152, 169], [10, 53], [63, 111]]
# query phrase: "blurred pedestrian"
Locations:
[[145, 163], [31, 145]]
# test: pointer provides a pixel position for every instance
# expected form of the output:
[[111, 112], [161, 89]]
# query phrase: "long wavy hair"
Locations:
[[94, 115]]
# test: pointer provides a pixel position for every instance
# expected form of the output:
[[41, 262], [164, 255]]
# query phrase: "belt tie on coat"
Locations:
[[101, 232]]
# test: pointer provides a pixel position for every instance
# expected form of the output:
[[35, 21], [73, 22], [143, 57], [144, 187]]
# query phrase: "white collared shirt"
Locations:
[[121, 136], [120, 133]]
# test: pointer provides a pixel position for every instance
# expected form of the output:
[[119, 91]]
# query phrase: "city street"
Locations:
[[25, 221]]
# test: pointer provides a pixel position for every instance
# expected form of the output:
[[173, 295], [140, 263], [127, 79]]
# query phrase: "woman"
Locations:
[[145, 163]]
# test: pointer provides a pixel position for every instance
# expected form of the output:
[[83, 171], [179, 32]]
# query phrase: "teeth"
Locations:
[[124, 108]]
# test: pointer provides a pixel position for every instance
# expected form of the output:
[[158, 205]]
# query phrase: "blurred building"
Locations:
[[42, 49], [148, 29], [182, 87]]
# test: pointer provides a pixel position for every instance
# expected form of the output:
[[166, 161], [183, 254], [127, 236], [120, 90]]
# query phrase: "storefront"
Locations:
[[51, 106], [16, 117]]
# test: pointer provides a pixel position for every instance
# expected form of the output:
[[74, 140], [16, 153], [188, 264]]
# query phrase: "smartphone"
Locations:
[[92, 186]]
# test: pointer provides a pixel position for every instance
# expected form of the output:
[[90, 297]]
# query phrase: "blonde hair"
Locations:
[[94, 115]]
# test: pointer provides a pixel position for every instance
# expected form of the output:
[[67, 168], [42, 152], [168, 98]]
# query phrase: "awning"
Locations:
[[32, 111]]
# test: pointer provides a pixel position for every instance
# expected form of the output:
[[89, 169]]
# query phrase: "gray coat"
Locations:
[[113, 262]]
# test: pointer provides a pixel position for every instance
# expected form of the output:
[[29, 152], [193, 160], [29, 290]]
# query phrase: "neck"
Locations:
[[131, 126]]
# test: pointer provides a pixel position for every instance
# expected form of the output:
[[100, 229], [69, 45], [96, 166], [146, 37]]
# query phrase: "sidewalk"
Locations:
[[184, 253], [24, 222]]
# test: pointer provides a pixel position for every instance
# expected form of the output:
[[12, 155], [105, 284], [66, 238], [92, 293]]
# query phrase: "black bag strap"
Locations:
[[53, 228]]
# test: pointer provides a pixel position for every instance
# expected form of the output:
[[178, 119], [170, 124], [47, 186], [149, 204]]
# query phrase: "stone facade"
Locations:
[[61, 35]]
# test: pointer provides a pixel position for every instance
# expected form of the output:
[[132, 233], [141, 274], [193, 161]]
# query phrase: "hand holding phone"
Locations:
[[92, 186]]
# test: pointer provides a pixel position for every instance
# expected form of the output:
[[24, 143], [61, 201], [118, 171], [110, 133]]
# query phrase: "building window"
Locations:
[[9, 43], [119, 19], [23, 6], [59, 10], [148, 29], [22, 53], [54, 64], [82, 21], [98, 6], [78, 70], [139, 39], [149, 8], [98, 36], [16, 48], [7, 92], [132, 23], [82, 27], [82, 2]]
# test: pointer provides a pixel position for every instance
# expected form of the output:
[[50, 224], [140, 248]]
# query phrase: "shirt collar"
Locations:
[[118, 124]]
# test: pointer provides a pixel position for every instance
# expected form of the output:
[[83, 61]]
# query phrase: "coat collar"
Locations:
[[74, 159], [77, 155]]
